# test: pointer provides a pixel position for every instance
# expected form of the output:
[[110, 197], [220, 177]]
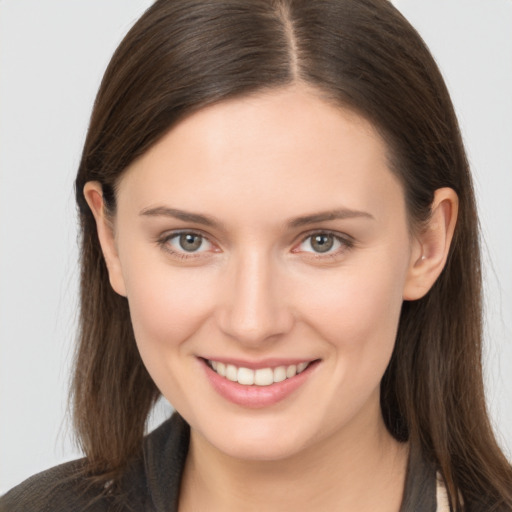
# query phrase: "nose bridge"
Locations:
[[255, 309]]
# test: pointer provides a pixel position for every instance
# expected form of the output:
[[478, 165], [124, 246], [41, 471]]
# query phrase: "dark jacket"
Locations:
[[152, 484]]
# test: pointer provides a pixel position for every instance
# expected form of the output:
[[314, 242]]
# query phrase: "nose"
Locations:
[[254, 309]]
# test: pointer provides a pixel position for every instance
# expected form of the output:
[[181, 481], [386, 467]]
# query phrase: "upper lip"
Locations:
[[273, 362]]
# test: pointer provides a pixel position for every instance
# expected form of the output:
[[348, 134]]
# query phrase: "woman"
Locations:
[[279, 235]]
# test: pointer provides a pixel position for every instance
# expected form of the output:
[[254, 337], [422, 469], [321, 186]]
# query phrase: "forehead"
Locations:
[[282, 150]]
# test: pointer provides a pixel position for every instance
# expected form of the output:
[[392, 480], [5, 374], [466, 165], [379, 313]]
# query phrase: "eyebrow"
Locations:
[[197, 218], [341, 213]]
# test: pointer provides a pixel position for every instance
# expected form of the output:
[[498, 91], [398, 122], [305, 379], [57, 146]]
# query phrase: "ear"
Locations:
[[431, 246], [93, 193]]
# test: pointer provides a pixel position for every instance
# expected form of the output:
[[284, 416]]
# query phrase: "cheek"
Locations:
[[167, 305], [357, 309], [167, 308], [357, 314]]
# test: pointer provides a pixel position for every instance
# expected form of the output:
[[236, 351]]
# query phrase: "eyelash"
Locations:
[[346, 242], [182, 255]]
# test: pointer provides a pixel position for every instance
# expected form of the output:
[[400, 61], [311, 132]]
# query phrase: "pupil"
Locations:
[[190, 242], [322, 243]]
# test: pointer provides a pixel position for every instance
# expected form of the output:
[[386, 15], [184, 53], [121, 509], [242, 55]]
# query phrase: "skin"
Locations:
[[257, 289]]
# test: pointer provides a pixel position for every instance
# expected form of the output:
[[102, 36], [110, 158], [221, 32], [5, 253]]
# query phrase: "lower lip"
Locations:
[[257, 396]]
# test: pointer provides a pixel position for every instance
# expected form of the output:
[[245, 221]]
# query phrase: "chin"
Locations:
[[260, 449], [257, 439]]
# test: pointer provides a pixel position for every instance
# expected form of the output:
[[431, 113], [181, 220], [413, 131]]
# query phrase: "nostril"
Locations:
[[254, 326]]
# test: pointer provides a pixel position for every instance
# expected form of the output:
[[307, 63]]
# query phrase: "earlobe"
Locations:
[[94, 196], [432, 245]]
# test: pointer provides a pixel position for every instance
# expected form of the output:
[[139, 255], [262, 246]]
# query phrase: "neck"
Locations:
[[344, 471]]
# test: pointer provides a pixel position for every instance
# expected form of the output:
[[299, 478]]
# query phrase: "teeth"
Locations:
[[264, 377], [231, 373], [221, 369], [301, 367], [279, 374], [246, 376], [291, 371], [259, 377]]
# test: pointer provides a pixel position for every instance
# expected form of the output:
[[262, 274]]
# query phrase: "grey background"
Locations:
[[52, 56]]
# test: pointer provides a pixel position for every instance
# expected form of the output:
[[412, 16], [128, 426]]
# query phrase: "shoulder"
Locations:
[[55, 490], [153, 479]]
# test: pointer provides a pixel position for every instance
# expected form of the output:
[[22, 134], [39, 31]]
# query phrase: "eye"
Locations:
[[187, 242], [323, 243]]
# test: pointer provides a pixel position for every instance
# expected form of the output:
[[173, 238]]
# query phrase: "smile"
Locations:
[[258, 377], [257, 385]]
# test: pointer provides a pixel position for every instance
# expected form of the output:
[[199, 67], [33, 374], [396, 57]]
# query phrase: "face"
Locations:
[[264, 249]]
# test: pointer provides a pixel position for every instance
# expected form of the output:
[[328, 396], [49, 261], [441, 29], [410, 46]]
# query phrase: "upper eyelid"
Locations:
[[336, 234], [165, 237], [347, 243]]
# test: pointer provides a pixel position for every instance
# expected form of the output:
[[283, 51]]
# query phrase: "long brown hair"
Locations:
[[362, 54]]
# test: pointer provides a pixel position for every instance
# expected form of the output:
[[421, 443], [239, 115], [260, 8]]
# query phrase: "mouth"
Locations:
[[257, 377], [263, 385]]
